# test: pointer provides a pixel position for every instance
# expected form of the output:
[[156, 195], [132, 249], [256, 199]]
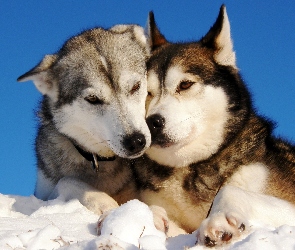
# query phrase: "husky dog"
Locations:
[[207, 139], [92, 115]]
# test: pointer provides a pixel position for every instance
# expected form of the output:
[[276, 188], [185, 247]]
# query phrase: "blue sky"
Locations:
[[263, 33]]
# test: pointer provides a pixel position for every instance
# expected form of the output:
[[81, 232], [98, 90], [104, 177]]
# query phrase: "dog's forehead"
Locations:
[[117, 48], [177, 74], [80, 67], [196, 56], [123, 52], [165, 78], [128, 78], [176, 60], [102, 55]]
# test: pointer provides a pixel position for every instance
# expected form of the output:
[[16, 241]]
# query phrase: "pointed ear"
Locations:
[[155, 38], [39, 75], [219, 39]]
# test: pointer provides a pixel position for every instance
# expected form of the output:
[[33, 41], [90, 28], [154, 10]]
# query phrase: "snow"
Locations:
[[29, 223]]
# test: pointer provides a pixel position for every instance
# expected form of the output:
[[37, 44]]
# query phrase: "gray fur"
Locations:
[[94, 91]]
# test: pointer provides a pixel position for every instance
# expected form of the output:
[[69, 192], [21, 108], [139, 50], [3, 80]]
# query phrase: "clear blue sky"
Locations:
[[264, 40]]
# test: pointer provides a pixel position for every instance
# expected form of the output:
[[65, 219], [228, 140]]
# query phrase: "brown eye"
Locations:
[[184, 85], [135, 88], [93, 99]]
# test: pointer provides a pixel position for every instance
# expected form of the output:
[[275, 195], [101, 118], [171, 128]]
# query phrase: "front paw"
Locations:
[[99, 202], [221, 228], [160, 216]]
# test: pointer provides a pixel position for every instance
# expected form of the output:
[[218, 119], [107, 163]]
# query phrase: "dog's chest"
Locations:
[[178, 202], [112, 177]]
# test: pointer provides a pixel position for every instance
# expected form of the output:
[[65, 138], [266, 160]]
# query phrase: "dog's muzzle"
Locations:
[[156, 124]]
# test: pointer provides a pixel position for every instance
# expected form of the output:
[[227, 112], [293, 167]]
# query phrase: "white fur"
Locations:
[[77, 122], [234, 206], [43, 186], [194, 120], [96, 201], [119, 28], [41, 83], [181, 208], [128, 79], [225, 54], [100, 129], [104, 62], [140, 35], [39, 77], [139, 32], [254, 206], [242, 201], [251, 177], [153, 83]]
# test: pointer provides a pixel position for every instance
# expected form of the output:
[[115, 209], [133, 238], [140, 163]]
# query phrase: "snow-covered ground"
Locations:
[[29, 223]]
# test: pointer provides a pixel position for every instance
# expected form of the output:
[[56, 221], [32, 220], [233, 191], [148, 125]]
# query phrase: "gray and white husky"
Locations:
[[208, 142], [92, 116]]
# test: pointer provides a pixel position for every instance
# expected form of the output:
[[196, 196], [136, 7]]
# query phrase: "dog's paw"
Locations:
[[99, 202], [161, 220], [69, 188], [221, 228]]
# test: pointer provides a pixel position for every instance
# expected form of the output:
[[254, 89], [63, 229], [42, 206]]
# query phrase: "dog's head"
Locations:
[[197, 100], [95, 88]]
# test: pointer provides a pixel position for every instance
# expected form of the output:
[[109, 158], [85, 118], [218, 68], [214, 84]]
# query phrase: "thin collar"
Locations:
[[93, 158]]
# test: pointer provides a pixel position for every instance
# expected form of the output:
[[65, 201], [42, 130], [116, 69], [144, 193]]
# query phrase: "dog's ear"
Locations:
[[140, 35], [155, 38], [39, 75], [138, 31], [219, 39]]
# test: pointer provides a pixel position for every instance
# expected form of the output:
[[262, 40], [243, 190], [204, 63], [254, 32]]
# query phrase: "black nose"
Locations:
[[156, 124], [134, 143]]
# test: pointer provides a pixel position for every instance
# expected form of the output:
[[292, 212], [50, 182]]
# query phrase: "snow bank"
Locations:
[[29, 223]]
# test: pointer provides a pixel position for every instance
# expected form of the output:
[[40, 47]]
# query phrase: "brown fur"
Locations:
[[248, 139]]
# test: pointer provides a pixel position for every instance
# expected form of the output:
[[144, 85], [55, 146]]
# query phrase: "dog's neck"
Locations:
[[247, 147], [93, 158], [249, 142]]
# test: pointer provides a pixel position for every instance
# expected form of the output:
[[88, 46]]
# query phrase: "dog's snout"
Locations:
[[155, 123], [134, 143]]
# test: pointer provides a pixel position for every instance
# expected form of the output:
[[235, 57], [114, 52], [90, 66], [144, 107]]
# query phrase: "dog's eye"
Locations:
[[135, 88], [93, 99], [184, 85]]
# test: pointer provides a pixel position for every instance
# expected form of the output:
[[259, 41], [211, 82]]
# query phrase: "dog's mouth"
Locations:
[[162, 145], [162, 141]]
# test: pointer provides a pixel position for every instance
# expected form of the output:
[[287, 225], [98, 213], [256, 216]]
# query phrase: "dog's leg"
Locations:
[[96, 201], [233, 210], [44, 186]]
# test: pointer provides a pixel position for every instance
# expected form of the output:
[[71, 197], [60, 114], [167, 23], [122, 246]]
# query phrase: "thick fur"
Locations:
[[94, 90], [208, 139]]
